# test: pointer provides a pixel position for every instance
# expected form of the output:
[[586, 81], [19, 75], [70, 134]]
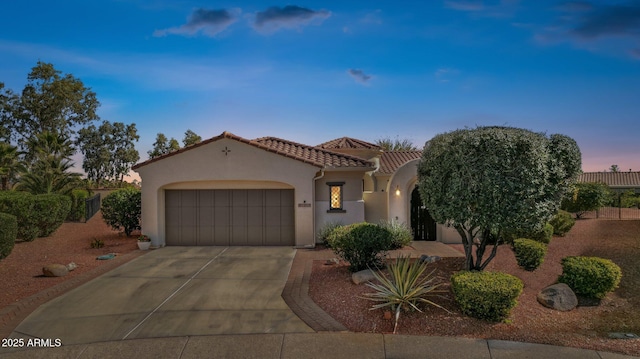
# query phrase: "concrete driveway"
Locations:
[[175, 291]]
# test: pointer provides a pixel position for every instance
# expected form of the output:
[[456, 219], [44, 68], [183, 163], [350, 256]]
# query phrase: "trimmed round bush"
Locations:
[[562, 222], [8, 233], [529, 253], [122, 209], [361, 244], [400, 234], [591, 277], [486, 295]]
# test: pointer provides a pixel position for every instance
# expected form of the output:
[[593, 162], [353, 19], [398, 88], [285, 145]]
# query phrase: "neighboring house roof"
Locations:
[[613, 179], [348, 142], [391, 161], [307, 154], [319, 156]]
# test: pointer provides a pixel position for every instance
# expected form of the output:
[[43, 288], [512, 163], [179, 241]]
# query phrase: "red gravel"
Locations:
[[21, 271], [585, 327]]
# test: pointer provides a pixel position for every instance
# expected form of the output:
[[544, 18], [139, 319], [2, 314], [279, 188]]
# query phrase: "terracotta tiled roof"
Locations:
[[307, 154], [613, 179], [391, 161], [318, 156], [348, 142]]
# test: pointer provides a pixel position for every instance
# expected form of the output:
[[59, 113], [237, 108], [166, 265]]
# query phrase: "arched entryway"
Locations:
[[422, 225]]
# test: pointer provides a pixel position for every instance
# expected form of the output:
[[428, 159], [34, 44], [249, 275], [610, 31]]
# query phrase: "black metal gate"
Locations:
[[92, 206], [422, 225]]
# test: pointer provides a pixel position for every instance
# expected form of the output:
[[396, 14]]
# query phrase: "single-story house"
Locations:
[[619, 182], [229, 190]]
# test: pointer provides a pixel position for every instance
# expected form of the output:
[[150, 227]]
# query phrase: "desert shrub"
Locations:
[[78, 207], [400, 234], [542, 235], [405, 287], [630, 199], [50, 212], [486, 295], [360, 244], [585, 197], [529, 253], [121, 209], [562, 222], [325, 231], [21, 205], [8, 233], [591, 277]]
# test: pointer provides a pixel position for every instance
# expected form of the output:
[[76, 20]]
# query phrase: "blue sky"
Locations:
[[311, 71]]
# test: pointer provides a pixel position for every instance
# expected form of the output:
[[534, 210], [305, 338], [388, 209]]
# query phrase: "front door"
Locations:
[[423, 226]]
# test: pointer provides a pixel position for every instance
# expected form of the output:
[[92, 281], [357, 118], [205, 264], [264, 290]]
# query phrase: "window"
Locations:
[[335, 197]]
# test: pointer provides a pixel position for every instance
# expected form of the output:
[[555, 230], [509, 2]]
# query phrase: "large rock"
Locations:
[[428, 259], [55, 270], [559, 297], [362, 276]]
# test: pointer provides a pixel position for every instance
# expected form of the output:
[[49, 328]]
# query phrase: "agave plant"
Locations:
[[405, 287]]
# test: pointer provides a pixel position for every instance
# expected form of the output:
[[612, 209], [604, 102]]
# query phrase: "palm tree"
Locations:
[[8, 163], [49, 166]]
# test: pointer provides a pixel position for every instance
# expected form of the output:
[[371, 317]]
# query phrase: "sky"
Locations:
[[312, 71]]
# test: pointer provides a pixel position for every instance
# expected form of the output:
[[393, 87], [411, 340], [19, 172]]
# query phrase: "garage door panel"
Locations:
[[287, 216], [239, 197], [206, 198], [272, 198], [221, 235], [230, 217], [254, 216], [255, 198], [189, 216], [239, 235]]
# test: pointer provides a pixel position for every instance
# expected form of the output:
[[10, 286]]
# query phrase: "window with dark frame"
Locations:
[[335, 197]]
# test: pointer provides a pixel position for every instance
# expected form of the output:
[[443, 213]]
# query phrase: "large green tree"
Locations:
[[490, 180], [50, 102], [191, 138], [162, 146], [109, 150]]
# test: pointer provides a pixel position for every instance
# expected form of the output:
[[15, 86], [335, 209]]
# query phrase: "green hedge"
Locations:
[[325, 231], [591, 277], [51, 211], [361, 244], [8, 233], [78, 204], [562, 222], [21, 205], [37, 215], [486, 295], [529, 253]]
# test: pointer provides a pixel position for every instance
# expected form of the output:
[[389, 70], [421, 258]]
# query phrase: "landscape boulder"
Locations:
[[559, 297], [71, 266], [362, 276], [55, 270], [428, 259]]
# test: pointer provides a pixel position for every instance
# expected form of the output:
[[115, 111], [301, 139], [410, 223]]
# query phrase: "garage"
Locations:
[[230, 217]]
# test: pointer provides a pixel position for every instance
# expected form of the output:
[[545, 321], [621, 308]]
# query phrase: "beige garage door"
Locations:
[[251, 217]]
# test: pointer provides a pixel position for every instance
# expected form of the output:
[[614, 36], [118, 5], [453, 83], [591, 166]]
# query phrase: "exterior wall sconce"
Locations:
[[397, 190]]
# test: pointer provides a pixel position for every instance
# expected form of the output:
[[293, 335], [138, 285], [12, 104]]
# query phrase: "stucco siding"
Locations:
[[226, 164]]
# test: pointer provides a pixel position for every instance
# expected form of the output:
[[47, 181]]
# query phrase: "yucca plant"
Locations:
[[405, 287]]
